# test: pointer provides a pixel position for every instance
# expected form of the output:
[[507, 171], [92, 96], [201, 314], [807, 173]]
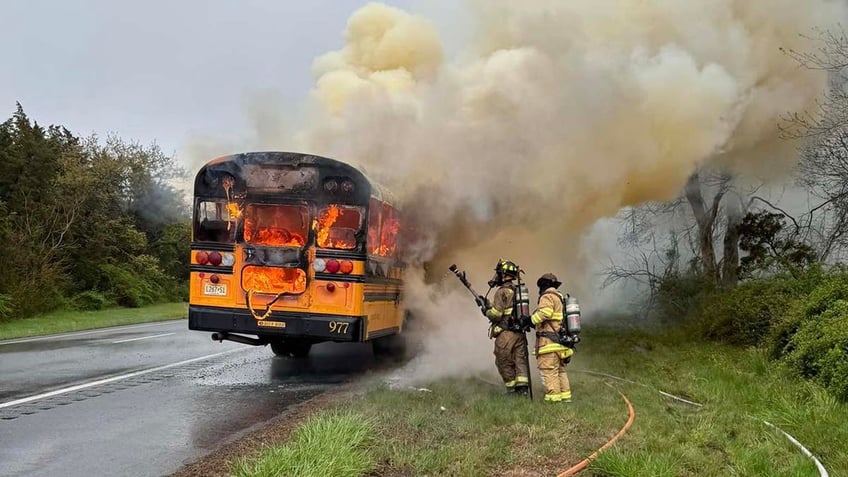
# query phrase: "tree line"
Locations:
[[87, 223]]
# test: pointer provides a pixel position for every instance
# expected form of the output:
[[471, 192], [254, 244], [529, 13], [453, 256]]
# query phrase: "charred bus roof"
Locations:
[[289, 173]]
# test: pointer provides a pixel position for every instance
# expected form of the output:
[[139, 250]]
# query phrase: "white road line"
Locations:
[[143, 338], [120, 377], [83, 333]]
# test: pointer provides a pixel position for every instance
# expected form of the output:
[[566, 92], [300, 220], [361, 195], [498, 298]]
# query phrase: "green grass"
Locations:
[[483, 432], [332, 444], [739, 388], [65, 321]]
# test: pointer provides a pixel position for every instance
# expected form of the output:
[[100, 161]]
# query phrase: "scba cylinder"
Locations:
[[572, 315], [523, 300]]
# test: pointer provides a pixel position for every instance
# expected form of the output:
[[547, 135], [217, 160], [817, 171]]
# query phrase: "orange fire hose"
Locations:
[[585, 462]]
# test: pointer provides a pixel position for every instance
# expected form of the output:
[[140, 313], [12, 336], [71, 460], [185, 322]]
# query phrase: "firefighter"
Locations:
[[551, 356], [510, 340]]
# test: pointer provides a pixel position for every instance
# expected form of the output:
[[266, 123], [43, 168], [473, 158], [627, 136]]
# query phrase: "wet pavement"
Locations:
[[144, 401]]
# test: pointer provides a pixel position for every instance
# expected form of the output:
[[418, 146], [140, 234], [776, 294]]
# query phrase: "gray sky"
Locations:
[[163, 70]]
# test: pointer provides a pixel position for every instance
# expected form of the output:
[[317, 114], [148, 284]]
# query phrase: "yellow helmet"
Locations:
[[507, 268]]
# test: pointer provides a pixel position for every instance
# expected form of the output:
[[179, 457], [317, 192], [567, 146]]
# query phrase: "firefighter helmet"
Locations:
[[548, 280], [507, 268]]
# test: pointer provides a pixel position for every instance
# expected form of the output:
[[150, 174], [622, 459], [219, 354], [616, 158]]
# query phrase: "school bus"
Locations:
[[290, 250]]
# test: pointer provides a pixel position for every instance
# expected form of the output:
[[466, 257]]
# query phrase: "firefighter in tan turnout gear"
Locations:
[[510, 341], [551, 356]]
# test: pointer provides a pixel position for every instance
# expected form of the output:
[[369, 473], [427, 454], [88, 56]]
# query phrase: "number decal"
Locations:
[[339, 327]]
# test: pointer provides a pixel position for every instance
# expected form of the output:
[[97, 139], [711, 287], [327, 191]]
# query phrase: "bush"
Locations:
[[91, 301], [137, 283], [814, 293], [5, 306], [819, 350], [744, 315], [679, 294]]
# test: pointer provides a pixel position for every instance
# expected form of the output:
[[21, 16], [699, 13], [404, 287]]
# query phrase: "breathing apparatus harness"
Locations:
[[568, 333]]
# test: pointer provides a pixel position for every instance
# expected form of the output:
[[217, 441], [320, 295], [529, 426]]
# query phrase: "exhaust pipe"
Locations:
[[238, 339]]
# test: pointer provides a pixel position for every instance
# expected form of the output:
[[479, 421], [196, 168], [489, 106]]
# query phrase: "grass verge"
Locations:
[[468, 428], [327, 445], [66, 321]]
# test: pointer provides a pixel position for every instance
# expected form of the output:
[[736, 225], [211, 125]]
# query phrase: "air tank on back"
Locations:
[[572, 315], [522, 300]]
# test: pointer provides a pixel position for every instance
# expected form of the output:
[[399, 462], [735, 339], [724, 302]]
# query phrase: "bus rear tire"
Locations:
[[295, 349]]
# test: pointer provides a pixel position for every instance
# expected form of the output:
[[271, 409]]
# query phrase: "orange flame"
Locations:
[[232, 208], [325, 221], [388, 243], [272, 235], [273, 280]]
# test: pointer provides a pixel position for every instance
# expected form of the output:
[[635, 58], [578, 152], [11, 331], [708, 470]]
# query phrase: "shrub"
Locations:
[[819, 349], [91, 301], [678, 294], [5, 306], [745, 314]]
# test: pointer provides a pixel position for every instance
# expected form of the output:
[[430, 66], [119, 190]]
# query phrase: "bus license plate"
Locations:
[[214, 290]]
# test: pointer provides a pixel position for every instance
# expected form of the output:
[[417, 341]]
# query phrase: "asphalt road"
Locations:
[[144, 400]]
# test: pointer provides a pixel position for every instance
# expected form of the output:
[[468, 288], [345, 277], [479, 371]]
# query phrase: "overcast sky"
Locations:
[[162, 70]]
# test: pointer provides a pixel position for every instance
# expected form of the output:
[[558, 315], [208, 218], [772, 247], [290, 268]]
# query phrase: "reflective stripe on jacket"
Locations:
[[547, 318], [501, 309]]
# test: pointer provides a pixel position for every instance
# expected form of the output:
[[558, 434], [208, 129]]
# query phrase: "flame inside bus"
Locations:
[[276, 225], [273, 280]]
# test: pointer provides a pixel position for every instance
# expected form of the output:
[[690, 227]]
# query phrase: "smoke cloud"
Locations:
[[565, 113], [559, 114]]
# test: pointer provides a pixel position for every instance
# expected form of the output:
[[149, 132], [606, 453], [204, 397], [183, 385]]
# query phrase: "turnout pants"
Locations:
[[552, 369], [511, 358]]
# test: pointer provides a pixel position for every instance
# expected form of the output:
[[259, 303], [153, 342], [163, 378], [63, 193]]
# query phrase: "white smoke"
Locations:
[[557, 114]]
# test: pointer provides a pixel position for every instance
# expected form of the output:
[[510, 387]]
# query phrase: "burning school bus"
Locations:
[[295, 250]]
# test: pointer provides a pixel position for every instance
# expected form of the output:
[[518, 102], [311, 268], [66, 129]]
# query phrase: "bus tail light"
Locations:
[[214, 279], [228, 259], [346, 267], [202, 257], [333, 265], [319, 265], [215, 258], [331, 287]]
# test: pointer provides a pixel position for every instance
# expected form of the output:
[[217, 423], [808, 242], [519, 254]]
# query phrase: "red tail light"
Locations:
[[215, 258], [346, 267], [333, 265], [331, 287], [214, 279], [202, 257]]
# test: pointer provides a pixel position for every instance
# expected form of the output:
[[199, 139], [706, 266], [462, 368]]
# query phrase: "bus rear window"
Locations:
[[338, 226], [276, 225], [213, 223]]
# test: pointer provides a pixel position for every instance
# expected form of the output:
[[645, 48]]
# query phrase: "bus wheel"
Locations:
[[291, 349]]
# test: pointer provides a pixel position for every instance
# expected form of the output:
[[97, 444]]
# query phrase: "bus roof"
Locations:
[[235, 162]]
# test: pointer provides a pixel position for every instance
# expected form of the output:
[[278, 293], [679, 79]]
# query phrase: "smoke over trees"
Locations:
[[86, 223]]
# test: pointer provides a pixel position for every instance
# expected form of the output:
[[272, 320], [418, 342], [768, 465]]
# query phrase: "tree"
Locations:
[[824, 132]]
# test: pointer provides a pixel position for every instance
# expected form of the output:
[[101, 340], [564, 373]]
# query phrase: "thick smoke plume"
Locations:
[[560, 114]]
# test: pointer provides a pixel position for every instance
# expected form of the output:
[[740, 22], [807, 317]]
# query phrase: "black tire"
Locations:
[[294, 349]]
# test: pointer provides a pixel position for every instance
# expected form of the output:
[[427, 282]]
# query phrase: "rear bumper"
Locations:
[[310, 326]]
